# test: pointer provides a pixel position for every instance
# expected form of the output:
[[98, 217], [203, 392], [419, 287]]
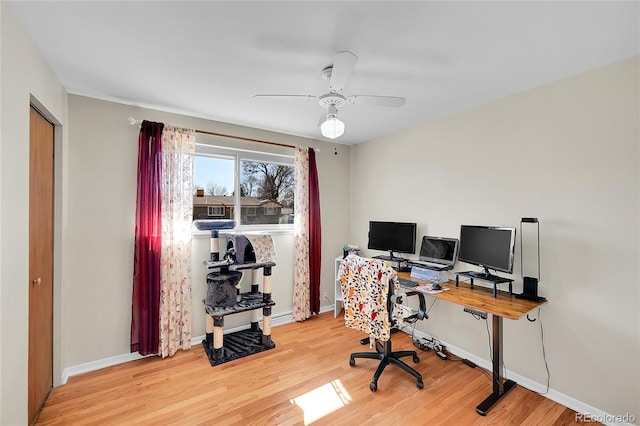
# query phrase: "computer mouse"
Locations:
[[436, 287]]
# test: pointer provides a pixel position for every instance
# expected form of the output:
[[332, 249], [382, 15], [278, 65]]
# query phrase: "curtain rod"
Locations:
[[134, 121]]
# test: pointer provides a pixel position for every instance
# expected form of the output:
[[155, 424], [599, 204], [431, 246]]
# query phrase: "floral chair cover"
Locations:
[[365, 286]]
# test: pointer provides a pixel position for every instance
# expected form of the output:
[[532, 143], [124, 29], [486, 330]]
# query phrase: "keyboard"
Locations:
[[407, 283], [430, 265]]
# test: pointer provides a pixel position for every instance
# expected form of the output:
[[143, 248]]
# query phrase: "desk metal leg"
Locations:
[[500, 388]]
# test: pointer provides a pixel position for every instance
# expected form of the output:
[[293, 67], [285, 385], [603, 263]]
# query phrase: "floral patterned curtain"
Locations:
[[301, 289], [178, 147]]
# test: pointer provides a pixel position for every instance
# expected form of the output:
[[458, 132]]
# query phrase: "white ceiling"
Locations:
[[208, 58]]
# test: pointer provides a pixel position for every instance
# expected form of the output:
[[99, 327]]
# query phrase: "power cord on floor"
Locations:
[[431, 344], [469, 363]]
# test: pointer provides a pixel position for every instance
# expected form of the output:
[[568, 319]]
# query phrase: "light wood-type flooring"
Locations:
[[306, 379]]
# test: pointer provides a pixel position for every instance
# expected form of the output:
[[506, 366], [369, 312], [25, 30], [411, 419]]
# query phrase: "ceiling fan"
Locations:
[[338, 74]]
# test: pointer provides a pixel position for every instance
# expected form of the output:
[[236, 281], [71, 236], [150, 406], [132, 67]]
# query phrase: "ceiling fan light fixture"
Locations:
[[332, 128], [338, 75]]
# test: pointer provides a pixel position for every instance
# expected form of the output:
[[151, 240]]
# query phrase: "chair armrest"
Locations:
[[422, 310]]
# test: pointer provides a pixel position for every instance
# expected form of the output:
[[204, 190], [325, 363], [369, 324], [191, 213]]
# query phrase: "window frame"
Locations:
[[239, 155]]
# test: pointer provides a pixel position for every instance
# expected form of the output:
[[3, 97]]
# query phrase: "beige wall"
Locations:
[[566, 153], [25, 77], [99, 250]]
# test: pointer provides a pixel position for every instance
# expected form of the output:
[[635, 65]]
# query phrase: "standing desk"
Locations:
[[501, 306]]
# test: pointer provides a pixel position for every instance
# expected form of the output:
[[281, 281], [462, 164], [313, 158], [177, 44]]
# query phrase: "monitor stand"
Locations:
[[486, 276], [398, 261], [391, 257]]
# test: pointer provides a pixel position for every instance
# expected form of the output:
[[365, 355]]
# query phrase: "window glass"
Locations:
[[213, 180], [267, 189], [252, 188]]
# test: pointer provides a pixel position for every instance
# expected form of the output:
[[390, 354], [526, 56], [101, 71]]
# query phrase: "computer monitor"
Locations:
[[439, 250], [489, 247], [398, 237]]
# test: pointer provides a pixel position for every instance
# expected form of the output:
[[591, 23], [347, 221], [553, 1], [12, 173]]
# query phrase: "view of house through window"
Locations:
[[264, 187]]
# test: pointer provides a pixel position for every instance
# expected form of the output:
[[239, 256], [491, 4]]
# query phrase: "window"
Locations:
[[256, 187], [215, 211]]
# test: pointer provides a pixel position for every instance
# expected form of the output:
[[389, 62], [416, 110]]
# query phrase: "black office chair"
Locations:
[[368, 290]]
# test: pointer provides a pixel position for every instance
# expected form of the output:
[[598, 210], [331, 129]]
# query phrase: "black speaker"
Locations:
[[530, 290], [530, 286]]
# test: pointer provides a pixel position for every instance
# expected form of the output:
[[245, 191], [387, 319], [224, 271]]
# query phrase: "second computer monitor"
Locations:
[[439, 250]]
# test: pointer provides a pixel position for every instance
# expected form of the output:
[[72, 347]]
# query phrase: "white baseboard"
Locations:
[[97, 365], [276, 320], [588, 411]]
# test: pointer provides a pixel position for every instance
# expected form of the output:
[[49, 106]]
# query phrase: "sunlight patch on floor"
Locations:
[[322, 401]]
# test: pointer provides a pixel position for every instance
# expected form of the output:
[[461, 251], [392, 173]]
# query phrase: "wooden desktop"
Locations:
[[502, 305]]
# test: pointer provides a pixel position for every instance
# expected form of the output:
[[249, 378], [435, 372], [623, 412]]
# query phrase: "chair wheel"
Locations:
[[374, 386], [352, 362], [416, 359], [420, 385]]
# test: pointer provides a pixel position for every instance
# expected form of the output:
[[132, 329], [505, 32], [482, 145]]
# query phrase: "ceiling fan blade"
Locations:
[[323, 118], [388, 101], [343, 65], [303, 97]]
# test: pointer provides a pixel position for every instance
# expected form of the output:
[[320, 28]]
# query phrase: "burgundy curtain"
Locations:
[[145, 322], [315, 235]]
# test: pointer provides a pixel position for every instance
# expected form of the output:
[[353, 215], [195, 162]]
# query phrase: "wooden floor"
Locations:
[[306, 379]]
